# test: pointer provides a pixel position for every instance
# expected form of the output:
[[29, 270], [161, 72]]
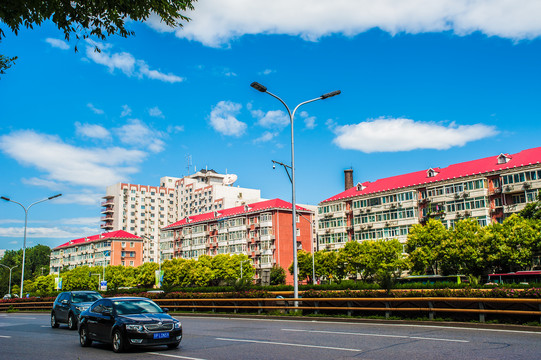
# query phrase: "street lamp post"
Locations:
[[263, 89], [26, 209], [10, 268]]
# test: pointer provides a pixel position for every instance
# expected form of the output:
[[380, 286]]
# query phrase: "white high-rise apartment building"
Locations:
[[143, 209]]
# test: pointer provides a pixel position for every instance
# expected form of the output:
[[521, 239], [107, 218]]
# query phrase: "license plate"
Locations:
[[162, 335]]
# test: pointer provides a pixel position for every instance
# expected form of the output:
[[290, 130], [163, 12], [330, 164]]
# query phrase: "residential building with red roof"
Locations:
[[488, 189], [111, 248], [144, 209], [261, 230]]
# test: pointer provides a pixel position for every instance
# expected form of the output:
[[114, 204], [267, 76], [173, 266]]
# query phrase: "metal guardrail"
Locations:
[[387, 305]]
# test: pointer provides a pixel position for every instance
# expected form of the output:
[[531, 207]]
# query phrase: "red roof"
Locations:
[[118, 235], [455, 171], [238, 210]]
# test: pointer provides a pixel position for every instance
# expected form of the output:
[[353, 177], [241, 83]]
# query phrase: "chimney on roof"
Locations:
[[348, 179]]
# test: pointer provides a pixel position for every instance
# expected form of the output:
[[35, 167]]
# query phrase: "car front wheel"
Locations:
[[119, 344], [72, 322], [54, 323], [84, 340]]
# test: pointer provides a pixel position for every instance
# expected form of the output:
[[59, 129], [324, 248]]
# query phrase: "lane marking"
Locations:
[[288, 344], [375, 335], [175, 356], [322, 322], [5, 336]]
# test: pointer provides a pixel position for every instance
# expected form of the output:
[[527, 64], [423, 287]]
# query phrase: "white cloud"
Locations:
[[88, 221], [217, 22], [65, 163], [277, 119], [265, 137], [389, 135], [84, 198], [267, 72], [223, 120], [53, 185], [92, 131], [126, 110], [57, 43], [137, 133], [155, 112], [126, 63], [156, 75], [95, 109], [175, 128], [309, 121], [47, 232]]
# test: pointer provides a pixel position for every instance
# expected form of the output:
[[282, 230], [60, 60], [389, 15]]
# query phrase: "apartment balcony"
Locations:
[[495, 191], [108, 202]]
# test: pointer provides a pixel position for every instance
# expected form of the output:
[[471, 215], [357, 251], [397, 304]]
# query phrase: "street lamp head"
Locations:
[[331, 94], [54, 196], [5, 198], [258, 87]]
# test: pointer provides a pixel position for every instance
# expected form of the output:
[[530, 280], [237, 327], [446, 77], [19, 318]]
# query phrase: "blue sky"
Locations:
[[424, 84]]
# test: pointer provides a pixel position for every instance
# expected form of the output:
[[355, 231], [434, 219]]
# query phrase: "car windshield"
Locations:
[[86, 297], [126, 307]]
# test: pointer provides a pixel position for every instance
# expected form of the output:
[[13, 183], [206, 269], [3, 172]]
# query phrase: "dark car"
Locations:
[[68, 305], [128, 321]]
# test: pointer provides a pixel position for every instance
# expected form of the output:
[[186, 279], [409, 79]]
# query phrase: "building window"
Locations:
[[132, 244], [123, 244]]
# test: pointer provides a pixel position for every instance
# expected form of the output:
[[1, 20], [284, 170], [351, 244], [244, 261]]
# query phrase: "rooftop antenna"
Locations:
[[188, 162]]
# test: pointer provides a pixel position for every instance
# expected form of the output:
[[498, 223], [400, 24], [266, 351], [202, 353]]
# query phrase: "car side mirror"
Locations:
[[165, 309], [107, 313], [64, 302]]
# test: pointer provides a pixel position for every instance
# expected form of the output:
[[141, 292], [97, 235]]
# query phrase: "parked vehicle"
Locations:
[[68, 305], [129, 321]]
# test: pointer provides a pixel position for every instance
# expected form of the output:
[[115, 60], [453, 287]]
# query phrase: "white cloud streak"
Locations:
[[92, 131], [57, 43], [390, 135], [126, 110], [223, 119], [217, 22], [65, 163], [155, 112], [137, 133], [276, 119], [127, 64], [47, 232], [95, 109]]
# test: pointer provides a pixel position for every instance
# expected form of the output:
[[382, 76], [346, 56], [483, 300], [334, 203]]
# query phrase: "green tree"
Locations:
[[532, 210], [353, 258], [423, 246], [6, 62], [304, 264], [146, 274], [382, 258], [78, 279], [327, 265], [520, 243], [120, 276], [463, 251], [87, 18], [277, 275]]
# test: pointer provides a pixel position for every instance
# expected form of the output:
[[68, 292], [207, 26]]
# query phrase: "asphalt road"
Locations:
[[29, 336]]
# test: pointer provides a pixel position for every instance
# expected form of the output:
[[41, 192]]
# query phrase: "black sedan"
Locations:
[[69, 304], [128, 321]]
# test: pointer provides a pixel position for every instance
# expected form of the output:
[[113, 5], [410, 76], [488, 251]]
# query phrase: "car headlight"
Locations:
[[138, 328], [81, 308], [178, 325]]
